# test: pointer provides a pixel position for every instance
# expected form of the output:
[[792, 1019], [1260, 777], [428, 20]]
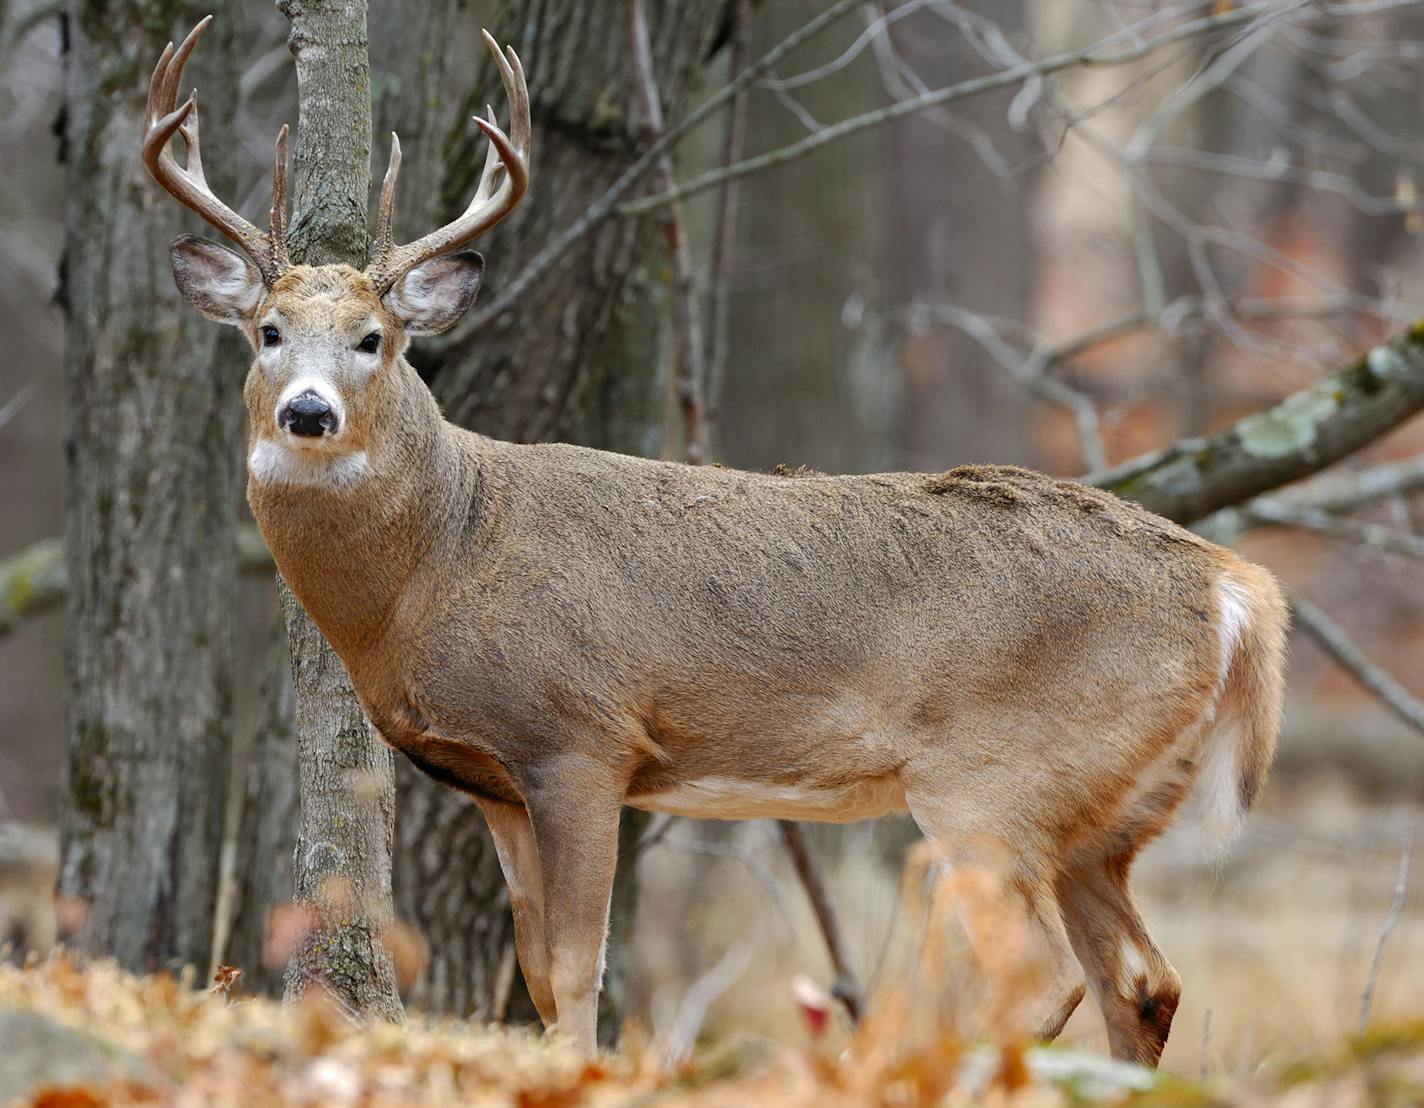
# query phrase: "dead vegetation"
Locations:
[[943, 1029], [109, 1038]]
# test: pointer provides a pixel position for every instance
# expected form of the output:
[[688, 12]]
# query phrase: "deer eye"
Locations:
[[370, 343], [271, 336]]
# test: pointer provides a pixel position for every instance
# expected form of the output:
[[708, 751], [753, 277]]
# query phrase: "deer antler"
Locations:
[[505, 178], [187, 183]]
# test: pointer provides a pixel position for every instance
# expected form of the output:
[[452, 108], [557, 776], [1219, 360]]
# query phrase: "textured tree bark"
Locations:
[[153, 424], [1305, 432], [347, 792], [792, 368], [577, 360], [962, 234], [262, 871], [447, 879]]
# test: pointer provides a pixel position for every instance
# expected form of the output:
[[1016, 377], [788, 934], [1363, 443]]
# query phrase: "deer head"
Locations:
[[329, 340]]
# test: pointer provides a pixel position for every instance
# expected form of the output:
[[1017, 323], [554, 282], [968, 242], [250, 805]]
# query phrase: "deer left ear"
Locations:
[[432, 297]]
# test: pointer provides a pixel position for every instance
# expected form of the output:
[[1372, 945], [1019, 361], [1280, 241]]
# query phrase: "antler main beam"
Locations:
[[502, 185], [187, 184]]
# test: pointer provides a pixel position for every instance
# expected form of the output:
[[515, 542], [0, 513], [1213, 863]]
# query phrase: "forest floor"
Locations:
[[76, 1037], [1312, 930]]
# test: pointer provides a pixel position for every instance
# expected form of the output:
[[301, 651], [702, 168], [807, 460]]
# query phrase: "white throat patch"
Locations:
[[273, 462]]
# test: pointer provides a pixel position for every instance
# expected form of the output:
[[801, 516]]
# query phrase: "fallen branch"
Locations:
[[1304, 433], [35, 580]]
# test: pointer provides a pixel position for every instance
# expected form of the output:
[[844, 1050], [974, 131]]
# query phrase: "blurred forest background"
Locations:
[[1080, 265]]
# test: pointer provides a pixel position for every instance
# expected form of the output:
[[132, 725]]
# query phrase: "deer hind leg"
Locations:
[[1028, 882], [513, 837], [574, 808], [1134, 984]]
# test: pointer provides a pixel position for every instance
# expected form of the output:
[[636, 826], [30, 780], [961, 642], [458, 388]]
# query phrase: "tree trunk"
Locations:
[[153, 422], [576, 360], [961, 234], [343, 856], [266, 834]]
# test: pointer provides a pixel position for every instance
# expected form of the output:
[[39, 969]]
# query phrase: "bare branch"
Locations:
[[1391, 919], [687, 328], [1335, 642], [1344, 491], [847, 988], [34, 581], [1094, 55], [557, 249], [1030, 375], [1301, 435], [725, 225], [1275, 512]]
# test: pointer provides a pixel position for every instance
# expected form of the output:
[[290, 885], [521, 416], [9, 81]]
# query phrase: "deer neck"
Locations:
[[348, 547]]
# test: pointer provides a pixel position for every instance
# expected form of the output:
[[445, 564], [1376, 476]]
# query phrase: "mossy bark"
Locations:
[[1304, 433], [152, 444], [577, 360]]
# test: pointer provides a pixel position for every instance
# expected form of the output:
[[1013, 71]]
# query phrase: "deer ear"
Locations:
[[432, 297], [219, 282]]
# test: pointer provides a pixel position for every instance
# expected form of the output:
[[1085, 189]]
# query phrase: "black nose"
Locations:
[[308, 414]]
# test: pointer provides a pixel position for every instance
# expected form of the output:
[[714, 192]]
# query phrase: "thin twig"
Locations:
[[1396, 908], [1024, 371], [558, 248], [1345, 491], [699, 997], [1089, 56], [724, 231], [687, 329], [847, 988], [1270, 511], [1333, 639]]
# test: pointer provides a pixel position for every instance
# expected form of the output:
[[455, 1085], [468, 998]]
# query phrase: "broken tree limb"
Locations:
[[1304, 433], [34, 581]]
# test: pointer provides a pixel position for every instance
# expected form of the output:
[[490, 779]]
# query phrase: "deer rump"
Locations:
[[740, 645]]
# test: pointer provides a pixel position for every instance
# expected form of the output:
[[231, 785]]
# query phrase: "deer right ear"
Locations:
[[219, 282]]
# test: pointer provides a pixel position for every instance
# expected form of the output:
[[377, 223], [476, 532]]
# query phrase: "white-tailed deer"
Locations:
[[1038, 671]]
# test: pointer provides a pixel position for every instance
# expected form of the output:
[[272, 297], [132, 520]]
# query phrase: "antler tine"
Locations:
[[277, 218], [386, 210], [491, 202], [494, 166], [187, 184]]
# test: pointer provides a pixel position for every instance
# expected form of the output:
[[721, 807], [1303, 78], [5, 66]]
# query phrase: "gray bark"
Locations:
[[795, 367], [263, 870], [153, 423], [347, 792], [576, 360], [343, 855], [961, 231], [1307, 431]]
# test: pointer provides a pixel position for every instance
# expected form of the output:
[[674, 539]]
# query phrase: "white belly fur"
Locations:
[[725, 798]]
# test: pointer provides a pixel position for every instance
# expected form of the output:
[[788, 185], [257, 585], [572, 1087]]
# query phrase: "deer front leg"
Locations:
[[574, 807], [513, 837]]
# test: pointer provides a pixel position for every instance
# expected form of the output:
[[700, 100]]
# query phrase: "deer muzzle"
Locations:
[[309, 415]]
